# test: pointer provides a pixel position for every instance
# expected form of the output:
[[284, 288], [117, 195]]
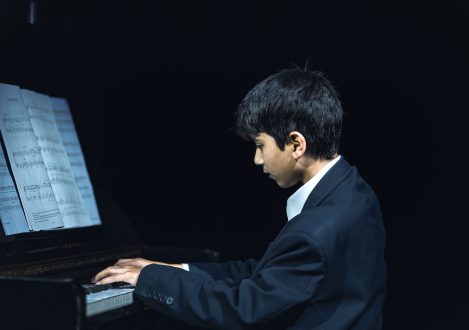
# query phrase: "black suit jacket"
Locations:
[[324, 270]]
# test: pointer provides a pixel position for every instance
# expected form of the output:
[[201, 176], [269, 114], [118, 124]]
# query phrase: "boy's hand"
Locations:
[[126, 270]]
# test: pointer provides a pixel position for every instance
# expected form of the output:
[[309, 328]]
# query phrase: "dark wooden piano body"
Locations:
[[41, 274]]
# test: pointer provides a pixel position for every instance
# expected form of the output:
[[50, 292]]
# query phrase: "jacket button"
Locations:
[[169, 300]]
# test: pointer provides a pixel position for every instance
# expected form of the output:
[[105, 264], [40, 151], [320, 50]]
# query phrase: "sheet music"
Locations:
[[57, 164], [64, 121], [34, 187], [11, 212]]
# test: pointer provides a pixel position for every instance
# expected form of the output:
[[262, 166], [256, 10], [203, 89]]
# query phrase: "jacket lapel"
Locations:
[[333, 177]]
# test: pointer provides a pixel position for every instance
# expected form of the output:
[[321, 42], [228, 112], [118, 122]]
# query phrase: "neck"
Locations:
[[313, 167]]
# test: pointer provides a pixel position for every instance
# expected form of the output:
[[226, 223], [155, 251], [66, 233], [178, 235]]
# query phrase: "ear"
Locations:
[[298, 143]]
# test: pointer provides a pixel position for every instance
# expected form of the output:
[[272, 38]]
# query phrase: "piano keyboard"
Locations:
[[106, 297], [92, 288]]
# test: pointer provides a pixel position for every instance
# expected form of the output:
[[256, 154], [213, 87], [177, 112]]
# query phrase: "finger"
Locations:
[[120, 261], [137, 262], [129, 276], [107, 272], [113, 278], [129, 262], [100, 275]]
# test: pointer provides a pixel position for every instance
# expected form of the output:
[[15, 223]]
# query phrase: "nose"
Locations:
[[258, 159]]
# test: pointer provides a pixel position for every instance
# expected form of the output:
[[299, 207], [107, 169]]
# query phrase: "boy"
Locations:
[[325, 269]]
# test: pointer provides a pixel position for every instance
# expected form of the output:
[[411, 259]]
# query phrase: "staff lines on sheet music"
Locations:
[[40, 195], [33, 152], [7, 189], [74, 155], [60, 180], [77, 164], [53, 150], [48, 138], [70, 143], [11, 207], [37, 108], [9, 199], [46, 121], [23, 165], [61, 121], [68, 199], [57, 168], [28, 158], [74, 212], [62, 112], [82, 178], [36, 187], [17, 124]]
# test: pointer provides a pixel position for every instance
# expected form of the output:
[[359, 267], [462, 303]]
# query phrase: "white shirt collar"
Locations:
[[296, 201]]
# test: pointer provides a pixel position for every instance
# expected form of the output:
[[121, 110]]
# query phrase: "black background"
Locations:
[[153, 86]]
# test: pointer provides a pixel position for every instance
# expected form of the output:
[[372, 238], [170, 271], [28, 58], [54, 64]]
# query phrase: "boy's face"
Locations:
[[279, 164]]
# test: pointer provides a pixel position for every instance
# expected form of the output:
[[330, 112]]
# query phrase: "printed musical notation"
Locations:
[[28, 158], [44, 121], [69, 201], [8, 200], [62, 169], [39, 192], [11, 213], [33, 152], [46, 185], [17, 125], [69, 136], [27, 166], [33, 157], [49, 139], [37, 108]]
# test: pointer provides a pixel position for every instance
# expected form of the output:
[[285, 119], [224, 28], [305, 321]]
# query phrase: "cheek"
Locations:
[[269, 162]]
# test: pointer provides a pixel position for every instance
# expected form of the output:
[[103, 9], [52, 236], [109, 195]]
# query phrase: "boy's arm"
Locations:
[[234, 270], [292, 271]]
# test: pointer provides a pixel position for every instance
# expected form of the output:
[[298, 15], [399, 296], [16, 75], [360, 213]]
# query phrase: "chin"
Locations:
[[284, 185]]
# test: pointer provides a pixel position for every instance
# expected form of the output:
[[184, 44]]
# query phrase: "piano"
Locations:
[[45, 276]]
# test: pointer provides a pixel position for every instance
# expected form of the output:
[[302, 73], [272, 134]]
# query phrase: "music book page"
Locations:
[[11, 212], [57, 165], [28, 167], [64, 121]]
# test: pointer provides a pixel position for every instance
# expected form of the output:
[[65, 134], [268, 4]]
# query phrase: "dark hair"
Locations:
[[294, 100]]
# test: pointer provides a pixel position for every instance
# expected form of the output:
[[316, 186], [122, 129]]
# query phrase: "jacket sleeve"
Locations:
[[232, 270], [291, 271]]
